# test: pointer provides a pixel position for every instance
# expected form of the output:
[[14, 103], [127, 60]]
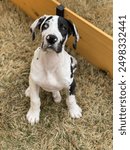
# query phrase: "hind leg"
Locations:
[[56, 96]]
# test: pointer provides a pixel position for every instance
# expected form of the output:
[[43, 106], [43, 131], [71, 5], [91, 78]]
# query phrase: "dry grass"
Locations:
[[56, 130]]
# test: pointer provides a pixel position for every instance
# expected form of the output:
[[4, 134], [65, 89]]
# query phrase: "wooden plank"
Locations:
[[94, 44]]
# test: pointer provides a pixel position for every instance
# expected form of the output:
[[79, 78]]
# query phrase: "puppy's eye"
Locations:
[[63, 28], [45, 25]]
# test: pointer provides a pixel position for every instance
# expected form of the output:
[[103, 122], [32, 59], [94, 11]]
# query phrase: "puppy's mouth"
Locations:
[[52, 47], [49, 47]]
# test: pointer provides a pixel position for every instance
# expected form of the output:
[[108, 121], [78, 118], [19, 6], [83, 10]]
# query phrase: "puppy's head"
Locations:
[[55, 31]]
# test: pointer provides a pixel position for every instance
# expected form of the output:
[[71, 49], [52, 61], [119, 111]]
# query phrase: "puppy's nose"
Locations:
[[51, 39]]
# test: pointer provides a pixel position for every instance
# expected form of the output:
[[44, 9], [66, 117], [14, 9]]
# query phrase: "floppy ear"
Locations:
[[36, 24], [74, 32]]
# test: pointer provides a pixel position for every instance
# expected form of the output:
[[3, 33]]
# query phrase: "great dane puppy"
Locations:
[[52, 68]]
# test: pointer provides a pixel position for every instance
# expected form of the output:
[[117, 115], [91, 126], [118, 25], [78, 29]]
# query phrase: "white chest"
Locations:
[[50, 72], [49, 81]]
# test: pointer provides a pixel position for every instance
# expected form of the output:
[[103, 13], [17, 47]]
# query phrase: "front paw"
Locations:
[[33, 116], [75, 111]]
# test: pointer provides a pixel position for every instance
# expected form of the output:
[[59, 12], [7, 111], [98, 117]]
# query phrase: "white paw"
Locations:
[[75, 111], [33, 116], [27, 92]]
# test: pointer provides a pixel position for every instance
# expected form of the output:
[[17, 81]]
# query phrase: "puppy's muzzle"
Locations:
[[51, 39], [51, 43]]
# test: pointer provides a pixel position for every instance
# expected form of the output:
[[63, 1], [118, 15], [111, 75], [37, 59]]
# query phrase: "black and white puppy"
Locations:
[[52, 68]]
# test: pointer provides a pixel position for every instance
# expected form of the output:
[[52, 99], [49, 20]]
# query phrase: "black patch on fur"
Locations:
[[37, 26], [63, 26], [40, 22], [72, 31], [59, 49], [66, 28], [72, 88], [33, 34], [75, 66], [49, 18], [71, 67]]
